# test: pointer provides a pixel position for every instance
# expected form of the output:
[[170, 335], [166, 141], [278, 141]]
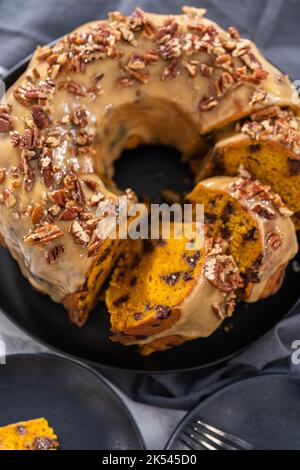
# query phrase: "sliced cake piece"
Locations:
[[268, 146], [35, 434], [257, 226], [162, 293]]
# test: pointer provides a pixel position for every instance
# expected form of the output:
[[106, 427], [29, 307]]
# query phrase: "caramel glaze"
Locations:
[[168, 109]]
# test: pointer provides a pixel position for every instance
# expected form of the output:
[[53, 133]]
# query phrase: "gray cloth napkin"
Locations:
[[273, 25]]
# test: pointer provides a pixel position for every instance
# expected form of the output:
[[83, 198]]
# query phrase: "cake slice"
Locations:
[[162, 293], [268, 146], [255, 223], [35, 434]]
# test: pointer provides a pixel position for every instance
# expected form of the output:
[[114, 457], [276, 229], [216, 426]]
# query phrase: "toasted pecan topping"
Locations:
[[2, 175], [6, 123], [37, 213], [44, 234], [53, 254], [79, 234], [40, 117]]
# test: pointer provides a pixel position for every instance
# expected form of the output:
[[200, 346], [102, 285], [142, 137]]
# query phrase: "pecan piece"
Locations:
[[58, 196], [274, 240], [46, 168], [207, 103], [221, 272], [44, 234], [40, 117], [79, 234], [37, 214], [5, 122], [53, 254], [263, 211], [2, 175], [72, 184], [70, 213]]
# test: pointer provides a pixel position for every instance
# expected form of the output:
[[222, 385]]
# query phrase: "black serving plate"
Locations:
[[147, 170], [263, 410], [83, 409]]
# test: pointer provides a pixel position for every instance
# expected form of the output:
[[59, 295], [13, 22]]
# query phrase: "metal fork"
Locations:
[[198, 435]]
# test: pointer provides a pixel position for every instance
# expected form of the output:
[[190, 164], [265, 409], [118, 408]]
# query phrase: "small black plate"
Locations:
[[263, 410], [148, 170], [82, 408]]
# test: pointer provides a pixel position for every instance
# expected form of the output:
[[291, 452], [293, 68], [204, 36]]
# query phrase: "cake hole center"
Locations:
[[155, 172]]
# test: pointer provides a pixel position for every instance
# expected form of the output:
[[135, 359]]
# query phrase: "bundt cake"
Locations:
[[256, 225], [112, 84], [35, 434], [155, 296], [268, 145]]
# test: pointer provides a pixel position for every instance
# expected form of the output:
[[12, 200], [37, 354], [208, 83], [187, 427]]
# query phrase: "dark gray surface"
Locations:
[[274, 25]]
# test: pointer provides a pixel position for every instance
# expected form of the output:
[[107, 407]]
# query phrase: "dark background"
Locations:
[[274, 26]]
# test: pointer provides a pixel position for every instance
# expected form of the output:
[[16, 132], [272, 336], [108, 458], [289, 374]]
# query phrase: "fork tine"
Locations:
[[208, 436], [230, 438], [198, 442]]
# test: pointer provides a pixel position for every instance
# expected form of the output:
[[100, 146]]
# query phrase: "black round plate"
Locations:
[[82, 408], [263, 410], [148, 170]]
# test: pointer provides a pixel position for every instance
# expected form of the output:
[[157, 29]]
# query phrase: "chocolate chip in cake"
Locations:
[[225, 232], [294, 167], [21, 430], [192, 260], [209, 218], [228, 209], [162, 311], [148, 307], [254, 148], [187, 276], [133, 281], [137, 316], [172, 278], [251, 235]]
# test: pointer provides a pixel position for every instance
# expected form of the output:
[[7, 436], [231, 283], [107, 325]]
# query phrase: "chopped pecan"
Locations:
[[70, 213], [28, 172], [207, 103], [206, 70], [171, 70], [80, 117], [223, 83], [73, 87], [40, 117], [79, 233], [221, 272], [46, 168], [44, 234], [96, 198], [29, 140], [263, 211], [37, 213], [53, 254], [58, 196], [72, 184], [91, 184], [2, 175], [218, 311], [274, 240], [6, 123], [265, 113]]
